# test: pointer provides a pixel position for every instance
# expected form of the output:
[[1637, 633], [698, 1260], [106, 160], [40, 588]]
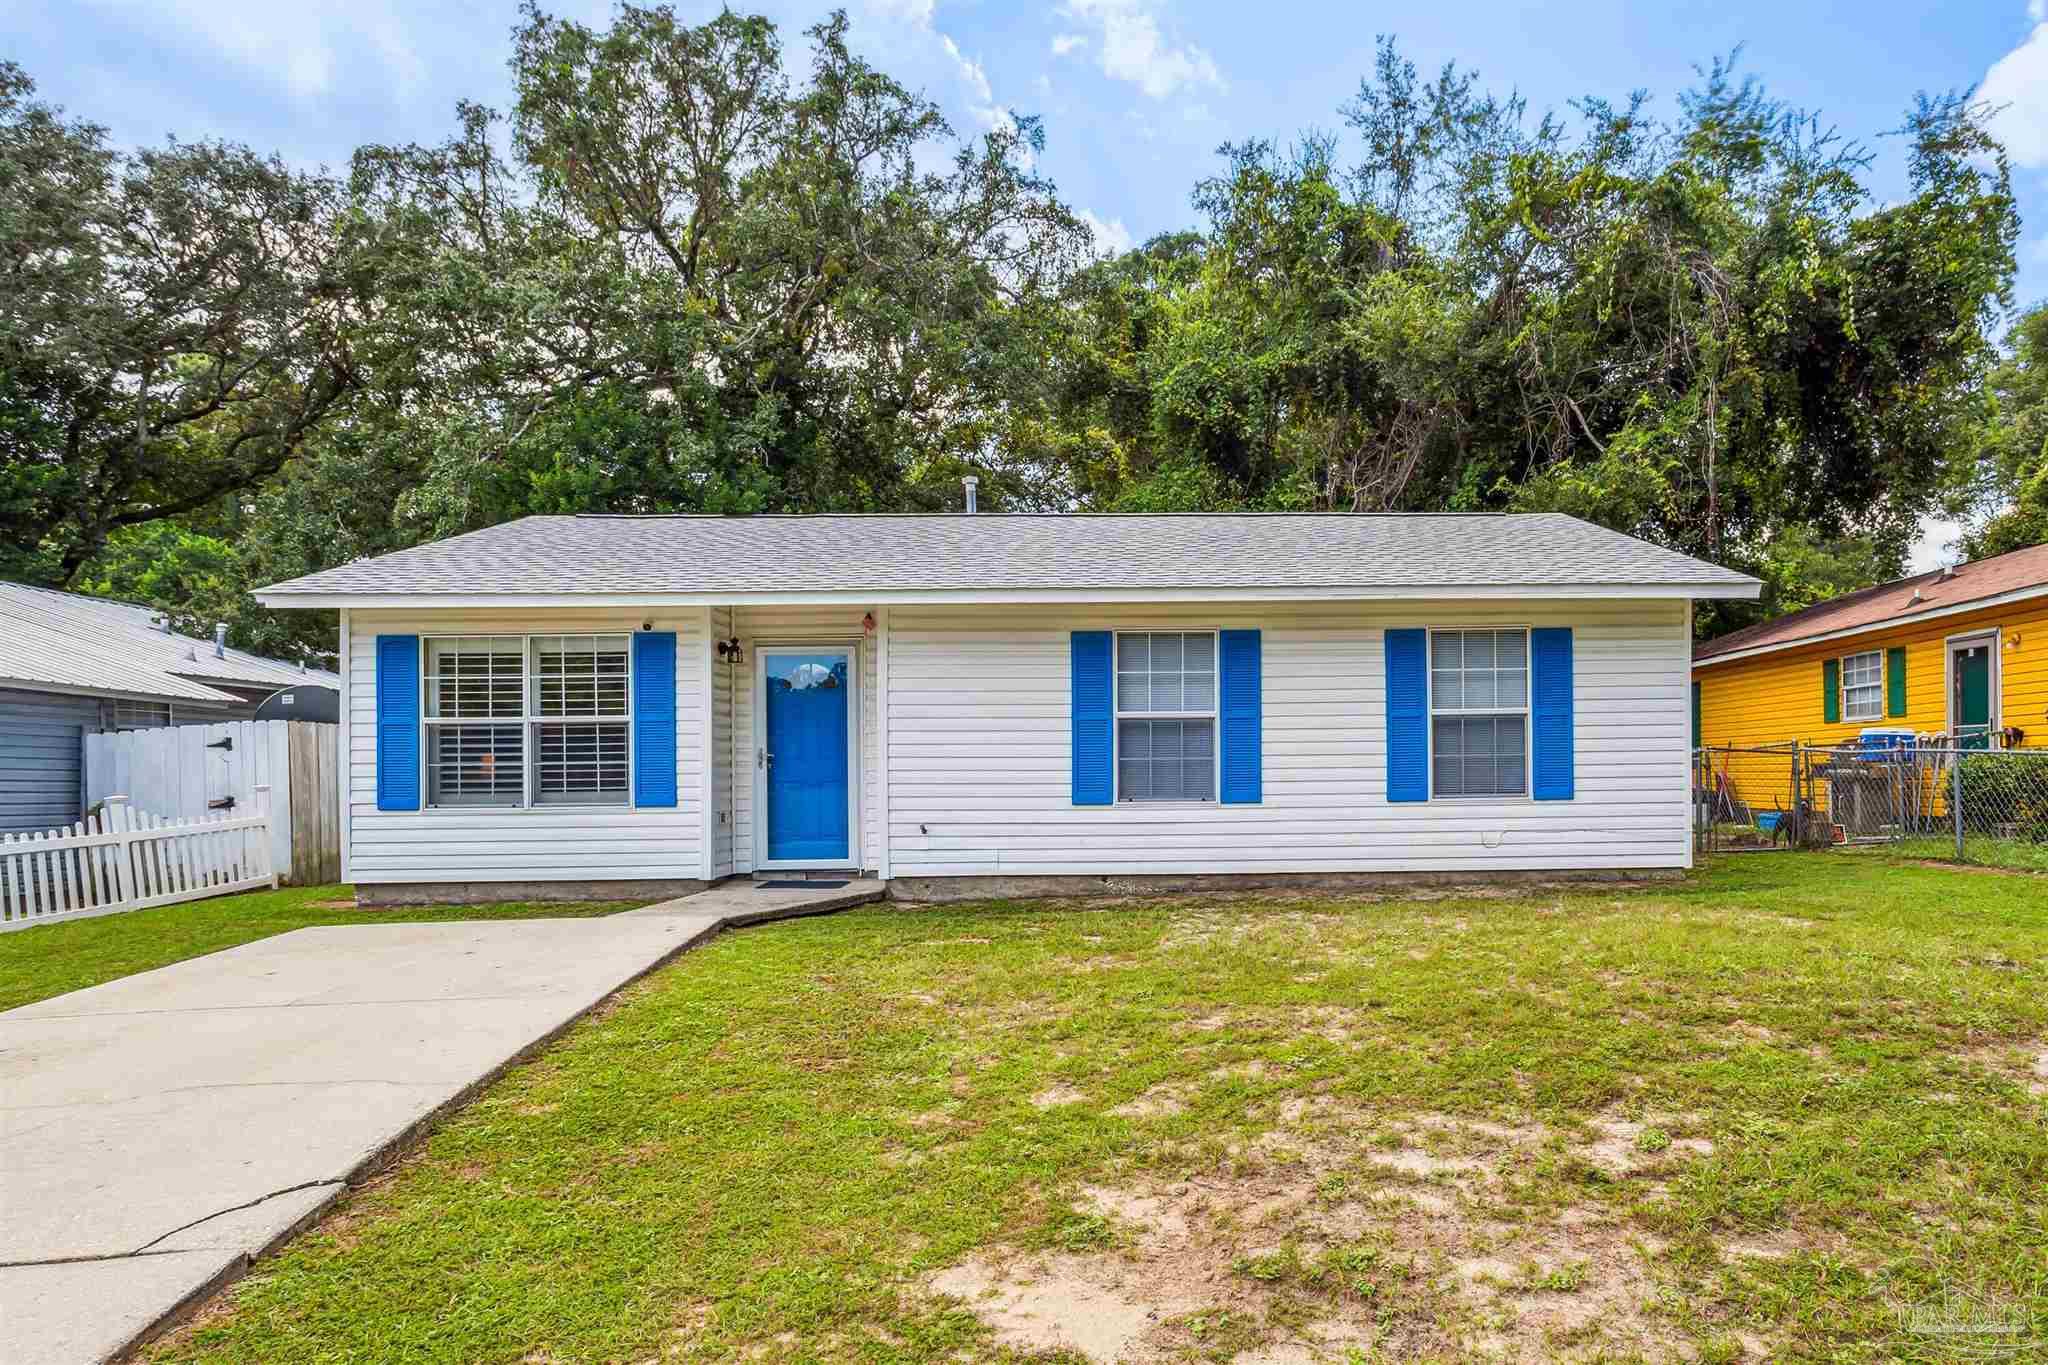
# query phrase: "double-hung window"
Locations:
[[1863, 686], [1479, 712], [516, 721], [579, 740], [1166, 715]]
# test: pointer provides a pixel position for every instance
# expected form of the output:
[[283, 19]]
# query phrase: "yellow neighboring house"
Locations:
[[1960, 652]]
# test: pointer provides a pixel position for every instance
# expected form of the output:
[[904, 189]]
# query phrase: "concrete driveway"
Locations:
[[158, 1132]]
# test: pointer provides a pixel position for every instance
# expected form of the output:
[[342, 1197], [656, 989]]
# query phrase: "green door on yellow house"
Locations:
[[1970, 700]]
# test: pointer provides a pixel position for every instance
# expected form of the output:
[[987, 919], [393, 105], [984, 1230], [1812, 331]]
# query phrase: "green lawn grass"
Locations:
[[51, 959], [1757, 1114]]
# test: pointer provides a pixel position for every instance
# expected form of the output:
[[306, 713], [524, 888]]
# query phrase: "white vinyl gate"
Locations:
[[205, 771]]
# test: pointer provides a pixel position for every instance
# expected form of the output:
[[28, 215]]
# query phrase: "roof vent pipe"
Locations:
[[970, 483], [220, 640]]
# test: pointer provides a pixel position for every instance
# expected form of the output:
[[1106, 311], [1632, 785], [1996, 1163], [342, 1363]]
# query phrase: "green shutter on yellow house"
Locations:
[[1895, 682], [1831, 691]]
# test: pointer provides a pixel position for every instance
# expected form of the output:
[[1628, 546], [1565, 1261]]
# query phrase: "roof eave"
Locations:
[[1876, 627], [119, 693], [1742, 589]]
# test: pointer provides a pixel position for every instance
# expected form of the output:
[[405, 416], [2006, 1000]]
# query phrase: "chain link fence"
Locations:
[[1967, 804]]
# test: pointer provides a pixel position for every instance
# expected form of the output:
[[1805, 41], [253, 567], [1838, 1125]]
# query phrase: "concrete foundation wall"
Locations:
[[1024, 888], [491, 893]]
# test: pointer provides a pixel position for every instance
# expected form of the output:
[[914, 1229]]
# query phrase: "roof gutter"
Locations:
[[1746, 590], [1873, 627]]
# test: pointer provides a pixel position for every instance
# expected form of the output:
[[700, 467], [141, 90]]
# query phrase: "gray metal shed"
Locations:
[[41, 743]]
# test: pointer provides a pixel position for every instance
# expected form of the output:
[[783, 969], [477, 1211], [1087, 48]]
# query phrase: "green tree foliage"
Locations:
[[1697, 329], [173, 327], [690, 271], [699, 284], [2013, 463]]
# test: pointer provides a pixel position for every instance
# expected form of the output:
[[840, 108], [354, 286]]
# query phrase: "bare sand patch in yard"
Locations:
[[1054, 1096], [1626, 1147], [1170, 1097], [2022, 1061], [1378, 1234]]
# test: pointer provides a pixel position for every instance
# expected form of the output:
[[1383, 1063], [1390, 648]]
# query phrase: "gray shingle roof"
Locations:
[[51, 639], [734, 558]]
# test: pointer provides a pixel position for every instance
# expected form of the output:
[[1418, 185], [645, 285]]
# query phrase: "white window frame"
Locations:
[[1994, 638], [1842, 668], [1525, 710], [1117, 715], [170, 713], [526, 720]]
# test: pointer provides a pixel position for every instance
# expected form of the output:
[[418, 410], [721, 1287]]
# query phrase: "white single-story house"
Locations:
[[616, 705]]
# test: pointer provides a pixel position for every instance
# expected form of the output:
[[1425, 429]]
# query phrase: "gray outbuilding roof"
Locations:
[[1018, 557], [63, 641]]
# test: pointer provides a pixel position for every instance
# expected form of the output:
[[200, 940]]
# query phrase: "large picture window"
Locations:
[[515, 721], [1863, 686], [1479, 705], [1166, 716]]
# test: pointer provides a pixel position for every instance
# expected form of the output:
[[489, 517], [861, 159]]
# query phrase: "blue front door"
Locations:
[[809, 713]]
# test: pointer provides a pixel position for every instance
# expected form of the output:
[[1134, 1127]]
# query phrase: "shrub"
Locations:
[[2009, 789]]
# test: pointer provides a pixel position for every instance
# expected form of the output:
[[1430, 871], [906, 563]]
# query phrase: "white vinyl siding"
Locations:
[[1863, 686], [980, 767], [539, 843]]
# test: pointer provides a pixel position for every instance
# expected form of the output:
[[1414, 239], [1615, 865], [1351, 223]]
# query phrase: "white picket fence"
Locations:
[[121, 859]]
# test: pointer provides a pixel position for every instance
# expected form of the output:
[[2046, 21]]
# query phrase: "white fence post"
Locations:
[[267, 840]]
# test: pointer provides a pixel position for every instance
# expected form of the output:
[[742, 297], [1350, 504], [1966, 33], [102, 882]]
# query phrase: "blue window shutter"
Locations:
[[1407, 715], [1550, 707], [1239, 707], [398, 722], [654, 718], [1094, 717]]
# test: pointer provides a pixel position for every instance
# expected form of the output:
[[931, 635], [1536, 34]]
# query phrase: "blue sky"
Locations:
[[1136, 94]]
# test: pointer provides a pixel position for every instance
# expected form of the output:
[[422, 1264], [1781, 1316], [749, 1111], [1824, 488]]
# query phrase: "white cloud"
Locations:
[[2019, 82], [1112, 238], [983, 104], [297, 46], [970, 71], [2037, 10], [1063, 43], [915, 12], [1133, 48], [1935, 547]]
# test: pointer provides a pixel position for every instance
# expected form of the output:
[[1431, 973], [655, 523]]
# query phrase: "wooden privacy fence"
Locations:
[[120, 858], [190, 771]]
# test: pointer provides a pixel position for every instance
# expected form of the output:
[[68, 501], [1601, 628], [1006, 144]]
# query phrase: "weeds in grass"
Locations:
[[1747, 1115]]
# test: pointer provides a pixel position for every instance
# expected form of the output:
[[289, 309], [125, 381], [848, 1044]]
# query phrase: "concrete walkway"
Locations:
[[160, 1131]]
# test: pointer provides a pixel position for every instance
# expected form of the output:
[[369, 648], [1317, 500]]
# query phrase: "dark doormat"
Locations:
[[798, 886]]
